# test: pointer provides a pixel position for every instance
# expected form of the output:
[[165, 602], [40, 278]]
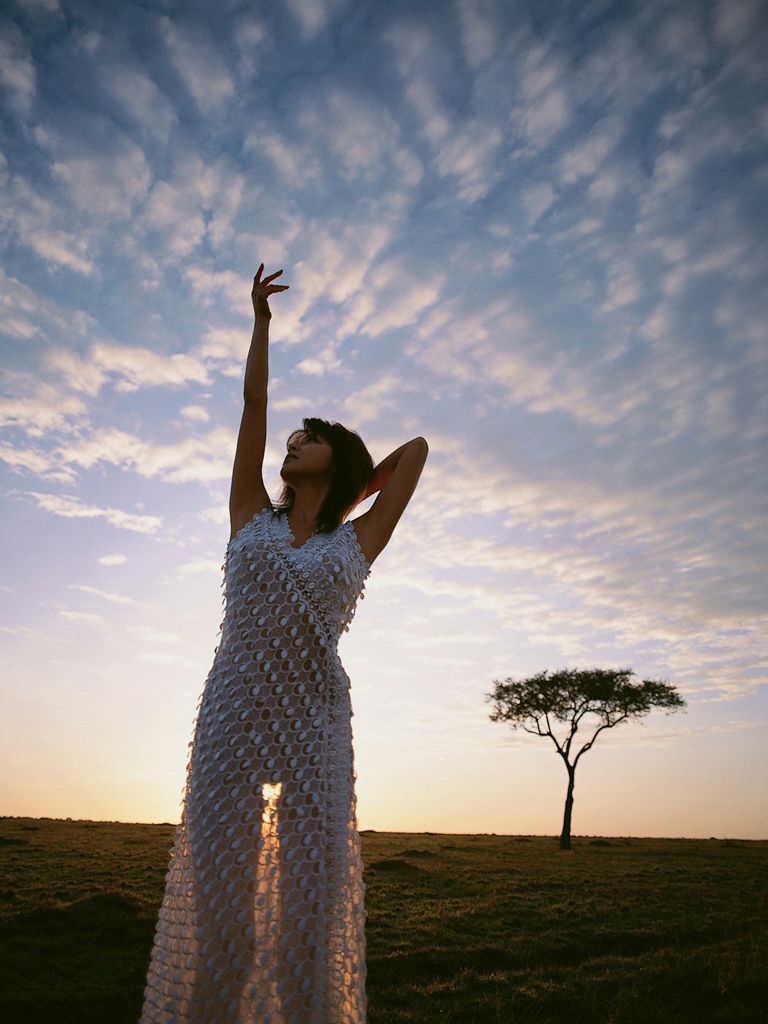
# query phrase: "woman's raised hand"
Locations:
[[263, 289]]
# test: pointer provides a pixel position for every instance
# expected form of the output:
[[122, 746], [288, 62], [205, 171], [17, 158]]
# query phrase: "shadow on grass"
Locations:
[[486, 986], [84, 963]]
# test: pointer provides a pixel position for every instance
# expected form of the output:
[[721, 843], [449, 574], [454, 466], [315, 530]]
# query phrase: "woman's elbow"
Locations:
[[419, 448]]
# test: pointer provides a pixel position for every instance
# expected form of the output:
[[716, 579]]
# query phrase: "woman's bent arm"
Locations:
[[395, 479], [384, 470]]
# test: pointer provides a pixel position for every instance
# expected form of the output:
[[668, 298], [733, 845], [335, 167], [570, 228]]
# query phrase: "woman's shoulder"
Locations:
[[348, 531], [248, 518]]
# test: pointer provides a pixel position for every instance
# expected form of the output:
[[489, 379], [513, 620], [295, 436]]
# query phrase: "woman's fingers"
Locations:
[[265, 286]]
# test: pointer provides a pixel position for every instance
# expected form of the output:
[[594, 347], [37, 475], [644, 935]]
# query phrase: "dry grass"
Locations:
[[461, 929]]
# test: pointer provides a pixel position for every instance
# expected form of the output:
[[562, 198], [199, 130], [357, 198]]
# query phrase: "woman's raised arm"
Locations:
[[395, 479], [247, 494]]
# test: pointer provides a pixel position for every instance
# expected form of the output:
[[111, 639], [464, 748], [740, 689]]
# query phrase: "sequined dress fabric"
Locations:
[[263, 918]]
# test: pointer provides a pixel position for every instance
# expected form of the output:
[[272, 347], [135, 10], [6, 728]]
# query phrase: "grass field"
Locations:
[[461, 928]]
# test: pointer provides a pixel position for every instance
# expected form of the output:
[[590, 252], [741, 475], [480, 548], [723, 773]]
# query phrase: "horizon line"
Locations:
[[406, 832]]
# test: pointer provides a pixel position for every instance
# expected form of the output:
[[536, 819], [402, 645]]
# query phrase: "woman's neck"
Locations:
[[307, 502]]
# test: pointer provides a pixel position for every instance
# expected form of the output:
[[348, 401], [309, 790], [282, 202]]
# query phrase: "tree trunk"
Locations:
[[565, 835]]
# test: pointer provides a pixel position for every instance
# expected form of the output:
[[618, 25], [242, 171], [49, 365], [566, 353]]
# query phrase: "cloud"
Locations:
[[58, 247], [317, 367], [168, 660], [105, 595], [537, 199], [505, 348], [141, 97], [542, 109], [329, 293], [465, 148], [196, 413], [220, 287], [289, 403], [34, 219], [623, 287], [365, 143], [26, 459], [52, 6], [114, 559], [18, 304], [205, 458], [378, 399], [200, 66], [71, 507], [195, 458], [40, 412], [630, 564], [295, 159], [17, 71], [86, 618], [470, 154], [587, 156], [104, 185], [313, 15], [401, 296], [197, 205], [151, 635], [423, 97], [137, 368], [734, 22], [681, 38], [82, 374], [198, 565], [175, 216], [479, 30]]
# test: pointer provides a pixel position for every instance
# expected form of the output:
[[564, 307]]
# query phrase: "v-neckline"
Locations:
[[292, 538]]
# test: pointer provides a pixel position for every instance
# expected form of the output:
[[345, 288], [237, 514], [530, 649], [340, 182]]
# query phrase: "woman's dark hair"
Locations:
[[352, 470]]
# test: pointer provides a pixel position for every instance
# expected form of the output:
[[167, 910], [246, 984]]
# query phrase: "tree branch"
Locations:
[[587, 746]]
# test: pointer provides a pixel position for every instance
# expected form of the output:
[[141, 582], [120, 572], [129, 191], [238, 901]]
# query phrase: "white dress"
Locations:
[[263, 919]]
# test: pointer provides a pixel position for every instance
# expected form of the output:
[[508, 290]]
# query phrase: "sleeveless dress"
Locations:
[[263, 918]]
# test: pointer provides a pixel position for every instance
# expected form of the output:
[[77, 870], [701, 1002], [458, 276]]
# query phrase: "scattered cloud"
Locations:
[[314, 15], [538, 244], [17, 71], [84, 618], [71, 508], [200, 65], [103, 594], [114, 559], [195, 413]]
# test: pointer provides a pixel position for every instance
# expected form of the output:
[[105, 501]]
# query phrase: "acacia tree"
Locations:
[[568, 696]]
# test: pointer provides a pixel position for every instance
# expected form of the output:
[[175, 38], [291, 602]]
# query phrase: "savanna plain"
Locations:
[[465, 929]]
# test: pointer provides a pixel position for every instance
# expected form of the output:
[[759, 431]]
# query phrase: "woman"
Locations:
[[263, 918]]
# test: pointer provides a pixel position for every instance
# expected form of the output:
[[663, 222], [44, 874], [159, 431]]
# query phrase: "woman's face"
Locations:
[[307, 456]]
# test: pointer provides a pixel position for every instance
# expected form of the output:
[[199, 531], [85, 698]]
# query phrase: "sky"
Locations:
[[532, 232]]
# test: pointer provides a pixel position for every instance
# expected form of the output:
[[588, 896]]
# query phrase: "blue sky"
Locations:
[[533, 233]]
